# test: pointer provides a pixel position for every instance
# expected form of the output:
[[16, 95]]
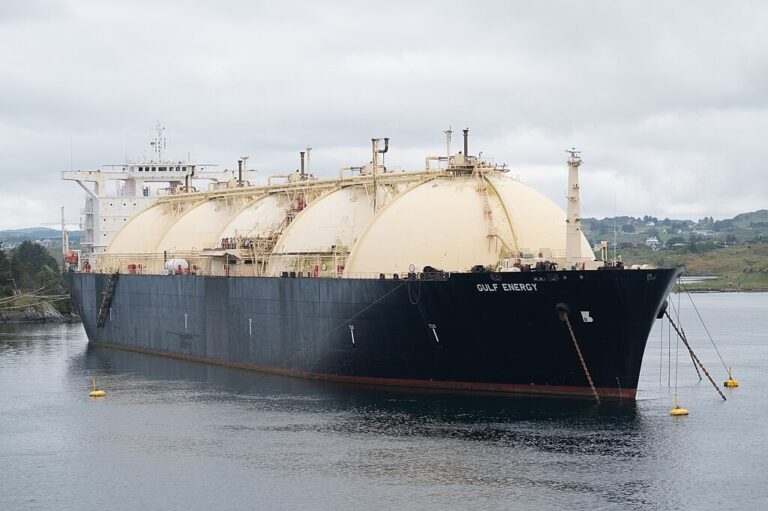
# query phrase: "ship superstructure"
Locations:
[[116, 193]]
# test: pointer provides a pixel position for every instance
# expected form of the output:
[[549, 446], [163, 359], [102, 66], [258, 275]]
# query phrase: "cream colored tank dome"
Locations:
[[453, 224], [335, 220], [260, 219], [198, 228], [438, 223], [539, 223], [143, 232]]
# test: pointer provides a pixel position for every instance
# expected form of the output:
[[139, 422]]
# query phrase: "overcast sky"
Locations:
[[668, 101]]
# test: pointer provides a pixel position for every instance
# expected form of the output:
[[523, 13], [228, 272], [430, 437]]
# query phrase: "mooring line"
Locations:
[[693, 355], [705, 326]]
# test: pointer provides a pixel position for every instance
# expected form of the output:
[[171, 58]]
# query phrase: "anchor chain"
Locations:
[[698, 373], [564, 317], [693, 355]]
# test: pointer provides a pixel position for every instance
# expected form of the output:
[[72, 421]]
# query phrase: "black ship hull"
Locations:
[[470, 331]]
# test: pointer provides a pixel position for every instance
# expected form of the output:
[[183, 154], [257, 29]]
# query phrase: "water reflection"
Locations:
[[359, 409], [420, 438]]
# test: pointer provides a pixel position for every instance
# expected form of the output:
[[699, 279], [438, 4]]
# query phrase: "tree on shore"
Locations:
[[29, 268], [28, 263], [6, 289]]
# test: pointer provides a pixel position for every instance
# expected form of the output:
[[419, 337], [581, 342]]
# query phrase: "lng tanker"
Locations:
[[456, 276]]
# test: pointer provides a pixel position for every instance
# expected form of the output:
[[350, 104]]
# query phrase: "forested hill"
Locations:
[[745, 228], [31, 283]]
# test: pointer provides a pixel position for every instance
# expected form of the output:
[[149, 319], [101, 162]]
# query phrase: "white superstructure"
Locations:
[[117, 193]]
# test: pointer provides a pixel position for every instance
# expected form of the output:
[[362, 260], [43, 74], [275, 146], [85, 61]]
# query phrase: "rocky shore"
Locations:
[[40, 313]]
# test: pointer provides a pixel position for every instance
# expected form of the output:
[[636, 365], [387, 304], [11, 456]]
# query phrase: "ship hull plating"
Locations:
[[476, 332]]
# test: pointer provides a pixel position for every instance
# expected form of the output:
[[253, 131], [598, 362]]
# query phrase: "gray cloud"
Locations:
[[666, 99]]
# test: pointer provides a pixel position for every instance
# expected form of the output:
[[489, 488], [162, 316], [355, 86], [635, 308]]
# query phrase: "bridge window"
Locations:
[[162, 169]]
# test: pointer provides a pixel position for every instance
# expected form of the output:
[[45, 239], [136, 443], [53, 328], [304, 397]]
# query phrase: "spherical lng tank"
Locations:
[[457, 223], [142, 233], [199, 227], [321, 236]]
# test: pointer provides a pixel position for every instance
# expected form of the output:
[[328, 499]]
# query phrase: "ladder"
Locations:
[[493, 231], [487, 210], [106, 299]]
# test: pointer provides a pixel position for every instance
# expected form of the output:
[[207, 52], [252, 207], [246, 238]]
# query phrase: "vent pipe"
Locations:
[[239, 172], [375, 164], [466, 142], [302, 164]]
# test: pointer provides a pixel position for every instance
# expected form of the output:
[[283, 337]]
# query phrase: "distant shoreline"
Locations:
[[723, 290]]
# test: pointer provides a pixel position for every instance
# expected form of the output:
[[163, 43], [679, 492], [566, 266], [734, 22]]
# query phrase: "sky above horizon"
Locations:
[[666, 100]]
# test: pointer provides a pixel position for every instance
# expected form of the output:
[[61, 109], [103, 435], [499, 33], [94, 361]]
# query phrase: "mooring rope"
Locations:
[[683, 286], [661, 351]]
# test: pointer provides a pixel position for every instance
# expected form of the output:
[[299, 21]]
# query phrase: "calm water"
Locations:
[[179, 435]]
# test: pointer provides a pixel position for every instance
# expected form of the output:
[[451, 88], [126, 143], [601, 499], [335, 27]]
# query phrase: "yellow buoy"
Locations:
[[95, 392], [677, 411], [730, 382]]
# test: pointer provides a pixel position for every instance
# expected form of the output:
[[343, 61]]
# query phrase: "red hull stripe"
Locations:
[[501, 388]]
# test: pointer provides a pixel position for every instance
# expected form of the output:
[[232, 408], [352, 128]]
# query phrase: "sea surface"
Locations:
[[179, 435]]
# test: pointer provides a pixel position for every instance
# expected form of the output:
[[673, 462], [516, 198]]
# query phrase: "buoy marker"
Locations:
[[730, 382], [677, 411], [95, 392]]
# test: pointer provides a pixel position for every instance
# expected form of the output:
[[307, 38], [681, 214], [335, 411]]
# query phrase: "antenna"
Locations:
[[448, 134], [245, 163], [64, 235], [159, 143]]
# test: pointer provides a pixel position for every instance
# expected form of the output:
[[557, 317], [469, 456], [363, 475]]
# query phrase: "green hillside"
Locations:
[[738, 267]]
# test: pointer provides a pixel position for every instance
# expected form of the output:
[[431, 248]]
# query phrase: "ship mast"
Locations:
[[573, 253], [158, 144], [448, 134]]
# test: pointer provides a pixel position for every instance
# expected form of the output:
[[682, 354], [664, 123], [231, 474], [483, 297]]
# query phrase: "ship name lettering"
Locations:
[[492, 288], [528, 286]]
